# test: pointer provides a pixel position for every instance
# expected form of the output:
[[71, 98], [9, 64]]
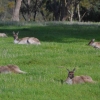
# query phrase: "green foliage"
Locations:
[[62, 46], [93, 13], [11, 4], [6, 9], [86, 4], [50, 10]]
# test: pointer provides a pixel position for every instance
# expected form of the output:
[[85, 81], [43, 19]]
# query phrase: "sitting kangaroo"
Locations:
[[94, 44], [25, 40], [11, 68], [3, 35], [77, 79]]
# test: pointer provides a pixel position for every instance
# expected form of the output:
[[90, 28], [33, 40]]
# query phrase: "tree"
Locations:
[[15, 16], [90, 9], [50, 10], [6, 7]]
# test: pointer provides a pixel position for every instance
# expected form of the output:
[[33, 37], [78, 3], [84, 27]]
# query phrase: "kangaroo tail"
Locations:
[[21, 72]]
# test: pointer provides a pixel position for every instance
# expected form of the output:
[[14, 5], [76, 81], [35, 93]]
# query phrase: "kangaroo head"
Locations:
[[91, 42], [15, 35], [71, 73]]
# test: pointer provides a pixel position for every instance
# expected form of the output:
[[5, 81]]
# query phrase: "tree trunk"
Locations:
[[15, 16], [35, 11], [63, 10], [65, 5], [71, 16], [29, 14], [79, 16]]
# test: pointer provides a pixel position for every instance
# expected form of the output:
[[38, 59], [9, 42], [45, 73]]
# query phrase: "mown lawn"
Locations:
[[62, 47]]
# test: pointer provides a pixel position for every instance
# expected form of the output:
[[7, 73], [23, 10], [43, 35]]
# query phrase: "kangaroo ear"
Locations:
[[68, 70], [93, 40], [17, 33], [13, 32], [74, 69]]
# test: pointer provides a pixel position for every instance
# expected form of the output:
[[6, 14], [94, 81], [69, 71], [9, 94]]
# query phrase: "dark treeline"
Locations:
[[50, 10]]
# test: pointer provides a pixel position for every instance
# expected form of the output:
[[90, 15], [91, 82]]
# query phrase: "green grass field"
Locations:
[[62, 47]]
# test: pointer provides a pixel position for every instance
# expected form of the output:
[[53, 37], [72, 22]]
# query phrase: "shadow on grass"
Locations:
[[63, 33]]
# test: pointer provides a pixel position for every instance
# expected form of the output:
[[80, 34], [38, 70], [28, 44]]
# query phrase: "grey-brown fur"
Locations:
[[94, 44], [11, 69], [3, 35], [78, 79], [25, 40]]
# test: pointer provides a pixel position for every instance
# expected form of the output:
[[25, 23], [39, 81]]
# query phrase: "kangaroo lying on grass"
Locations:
[[3, 35], [11, 68], [77, 79], [25, 40], [94, 44]]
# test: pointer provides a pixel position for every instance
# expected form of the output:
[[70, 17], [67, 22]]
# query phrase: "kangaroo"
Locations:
[[10, 69], [94, 44], [25, 40], [3, 35], [77, 79]]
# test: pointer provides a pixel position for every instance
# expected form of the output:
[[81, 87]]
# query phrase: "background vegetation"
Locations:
[[50, 10], [62, 46]]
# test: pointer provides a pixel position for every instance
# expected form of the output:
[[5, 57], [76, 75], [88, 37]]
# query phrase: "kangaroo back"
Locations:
[[94, 44], [82, 79], [77, 79], [33, 40], [3, 35], [25, 40], [4, 69], [11, 68], [15, 69]]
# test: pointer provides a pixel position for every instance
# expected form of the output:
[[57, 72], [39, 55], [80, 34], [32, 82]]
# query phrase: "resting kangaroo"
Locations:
[[77, 79], [25, 40], [94, 44], [11, 68], [3, 35]]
